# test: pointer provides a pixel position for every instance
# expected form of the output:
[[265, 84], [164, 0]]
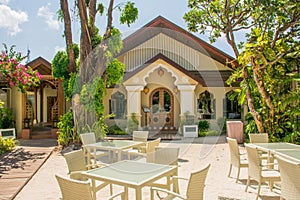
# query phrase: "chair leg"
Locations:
[[258, 190], [111, 189], [247, 185], [238, 175], [230, 167]]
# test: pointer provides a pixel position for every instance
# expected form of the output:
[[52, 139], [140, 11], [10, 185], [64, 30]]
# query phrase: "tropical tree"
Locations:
[[87, 75], [267, 52]]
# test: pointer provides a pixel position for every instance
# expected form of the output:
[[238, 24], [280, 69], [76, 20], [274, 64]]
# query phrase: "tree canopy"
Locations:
[[267, 56]]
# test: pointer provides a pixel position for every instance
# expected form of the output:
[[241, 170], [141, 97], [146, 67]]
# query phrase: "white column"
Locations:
[[134, 100], [187, 99]]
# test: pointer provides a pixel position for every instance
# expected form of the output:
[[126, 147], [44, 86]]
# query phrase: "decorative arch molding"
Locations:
[[163, 67]]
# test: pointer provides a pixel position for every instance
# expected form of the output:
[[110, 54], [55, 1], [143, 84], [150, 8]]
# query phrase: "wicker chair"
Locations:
[[195, 188], [290, 178], [258, 137], [235, 157], [76, 164], [74, 189], [140, 136], [147, 152], [257, 171], [165, 156], [90, 138]]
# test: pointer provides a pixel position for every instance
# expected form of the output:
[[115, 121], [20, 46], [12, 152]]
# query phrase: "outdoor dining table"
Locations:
[[115, 146], [289, 150], [129, 173]]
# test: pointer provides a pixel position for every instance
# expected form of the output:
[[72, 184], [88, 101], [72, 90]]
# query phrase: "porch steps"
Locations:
[[41, 132], [41, 135]]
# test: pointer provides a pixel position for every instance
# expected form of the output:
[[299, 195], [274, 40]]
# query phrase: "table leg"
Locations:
[[94, 188], [138, 193], [126, 192]]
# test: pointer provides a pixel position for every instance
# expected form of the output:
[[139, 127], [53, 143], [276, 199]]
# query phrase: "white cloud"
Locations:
[[4, 2], [11, 19], [58, 48], [49, 17]]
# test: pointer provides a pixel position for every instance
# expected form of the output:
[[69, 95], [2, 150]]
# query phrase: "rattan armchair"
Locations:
[[90, 138], [147, 152], [76, 163], [235, 157], [195, 188], [258, 171], [74, 189], [258, 137], [140, 136], [290, 178]]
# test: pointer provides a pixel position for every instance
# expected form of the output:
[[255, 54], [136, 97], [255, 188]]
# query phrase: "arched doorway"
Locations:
[[161, 108]]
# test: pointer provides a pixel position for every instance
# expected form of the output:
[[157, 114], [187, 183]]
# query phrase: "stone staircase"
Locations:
[[41, 132]]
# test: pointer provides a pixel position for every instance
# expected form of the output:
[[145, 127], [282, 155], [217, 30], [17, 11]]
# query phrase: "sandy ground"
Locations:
[[194, 155]]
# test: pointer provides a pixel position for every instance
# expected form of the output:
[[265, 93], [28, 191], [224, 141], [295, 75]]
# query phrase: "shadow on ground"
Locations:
[[17, 159], [38, 143]]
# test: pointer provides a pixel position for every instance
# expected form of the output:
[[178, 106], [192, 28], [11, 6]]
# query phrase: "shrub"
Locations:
[[203, 125], [67, 134], [6, 118], [116, 130], [6, 145]]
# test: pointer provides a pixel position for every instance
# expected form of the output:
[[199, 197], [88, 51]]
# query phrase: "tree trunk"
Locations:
[[253, 111], [68, 35], [261, 87]]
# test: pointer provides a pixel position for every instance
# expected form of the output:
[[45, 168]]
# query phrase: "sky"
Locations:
[[34, 25]]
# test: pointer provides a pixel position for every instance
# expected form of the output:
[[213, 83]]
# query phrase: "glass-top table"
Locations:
[[116, 146], [131, 174], [289, 150]]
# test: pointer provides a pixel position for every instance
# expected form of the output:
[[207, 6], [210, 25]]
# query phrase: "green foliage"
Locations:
[[100, 8], [269, 55], [114, 72], [6, 145], [116, 130], [59, 65], [203, 125], [114, 44], [99, 127], [132, 124], [67, 134], [129, 14], [91, 96], [6, 118]]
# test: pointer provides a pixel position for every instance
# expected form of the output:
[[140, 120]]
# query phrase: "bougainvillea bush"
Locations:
[[15, 73]]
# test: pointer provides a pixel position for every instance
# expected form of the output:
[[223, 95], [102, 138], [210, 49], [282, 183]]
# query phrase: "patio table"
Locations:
[[131, 174], [286, 149], [116, 146]]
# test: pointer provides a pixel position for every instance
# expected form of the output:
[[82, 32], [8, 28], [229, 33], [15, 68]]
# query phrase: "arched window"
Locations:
[[232, 110], [117, 105], [207, 106]]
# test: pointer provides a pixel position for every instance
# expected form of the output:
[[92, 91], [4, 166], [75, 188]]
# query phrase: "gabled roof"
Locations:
[[205, 78], [41, 65], [162, 25]]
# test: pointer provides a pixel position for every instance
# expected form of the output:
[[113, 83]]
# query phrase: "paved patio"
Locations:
[[194, 155]]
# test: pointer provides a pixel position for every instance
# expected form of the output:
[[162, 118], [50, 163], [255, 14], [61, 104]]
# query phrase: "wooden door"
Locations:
[[161, 108]]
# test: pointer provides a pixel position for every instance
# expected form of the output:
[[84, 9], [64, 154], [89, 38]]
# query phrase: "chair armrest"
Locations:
[[121, 194], [167, 191], [180, 178]]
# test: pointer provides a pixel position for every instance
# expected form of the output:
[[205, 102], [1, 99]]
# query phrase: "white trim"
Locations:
[[157, 67]]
